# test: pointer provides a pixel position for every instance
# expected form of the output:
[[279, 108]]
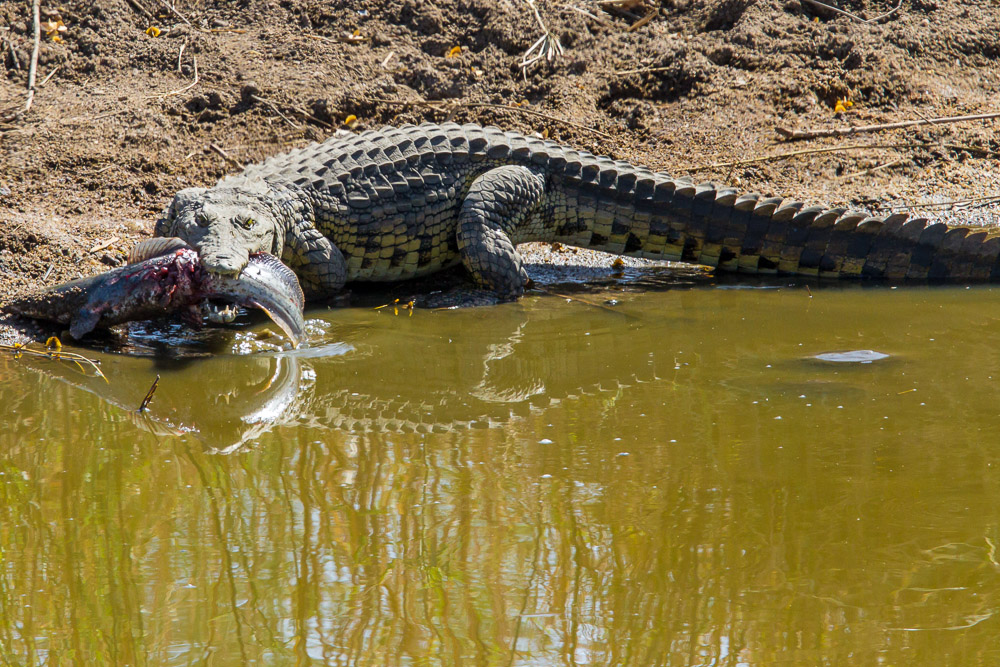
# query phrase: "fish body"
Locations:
[[167, 277]]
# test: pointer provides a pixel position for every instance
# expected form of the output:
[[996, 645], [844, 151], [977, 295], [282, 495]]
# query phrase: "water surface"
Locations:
[[674, 479]]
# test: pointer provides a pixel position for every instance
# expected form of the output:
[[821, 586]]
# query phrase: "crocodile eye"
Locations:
[[244, 221]]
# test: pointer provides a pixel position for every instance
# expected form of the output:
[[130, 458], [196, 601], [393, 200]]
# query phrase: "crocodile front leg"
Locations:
[[498, 202], [317, 262]]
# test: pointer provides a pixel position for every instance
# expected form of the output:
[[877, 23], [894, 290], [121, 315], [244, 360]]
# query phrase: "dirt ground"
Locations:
[[139, 98]]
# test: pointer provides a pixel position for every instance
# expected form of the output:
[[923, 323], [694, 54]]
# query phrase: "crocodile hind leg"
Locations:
[[501, 200]]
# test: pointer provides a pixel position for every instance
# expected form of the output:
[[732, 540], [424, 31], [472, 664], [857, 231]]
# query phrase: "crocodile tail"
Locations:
[[749, 233]]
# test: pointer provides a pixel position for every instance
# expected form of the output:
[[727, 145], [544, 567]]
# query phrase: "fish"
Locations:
[[165, 277]]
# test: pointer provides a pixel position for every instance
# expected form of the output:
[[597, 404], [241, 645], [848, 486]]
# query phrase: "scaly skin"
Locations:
[[398, 203]]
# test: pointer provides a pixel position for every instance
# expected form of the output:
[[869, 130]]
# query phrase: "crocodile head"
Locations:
[[225, 225]]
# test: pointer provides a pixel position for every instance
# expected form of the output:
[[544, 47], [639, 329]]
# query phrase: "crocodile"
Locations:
[[403, 202]]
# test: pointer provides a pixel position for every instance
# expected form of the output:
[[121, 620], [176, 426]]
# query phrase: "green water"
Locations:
[[671, 480]]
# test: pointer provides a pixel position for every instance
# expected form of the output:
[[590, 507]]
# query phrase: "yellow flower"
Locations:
[[53, 29], [454, 52], [842, 106], [153, 31]]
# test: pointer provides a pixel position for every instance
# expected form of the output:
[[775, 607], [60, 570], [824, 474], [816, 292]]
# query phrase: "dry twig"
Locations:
[[811, 151], [642, 70], [595, 17], [134, 4], [54, 352], [173, 10], [225, 156], [794, 135], [547, 45], [644, 20], [842, 12], [866, 172], [50, 75], [149, 395], [33, 67], [275, 109], [978, 201], [13, 55], [186, 88], [104, 245]]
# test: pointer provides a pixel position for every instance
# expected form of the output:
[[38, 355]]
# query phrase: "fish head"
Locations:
[[225, 225]]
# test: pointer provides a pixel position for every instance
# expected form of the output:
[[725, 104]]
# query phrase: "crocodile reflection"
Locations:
[[445, 371]]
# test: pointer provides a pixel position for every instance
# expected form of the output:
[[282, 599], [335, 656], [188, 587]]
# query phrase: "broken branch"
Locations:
[[225, 156], [142, 10], [191, 85], [33, 67], [275, 109], [811, 151], [149, 395], [794, 135]]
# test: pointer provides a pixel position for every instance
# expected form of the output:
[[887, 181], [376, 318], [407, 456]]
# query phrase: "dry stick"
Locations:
[[174, 11], [13, 55], [225, 156], [179, 54], [642, 70], [50, 75], [811, 151], [855, 17], [179, 90], [548, 45], [134, 4], [149, 395], [32, 69], [275, 109], [951, 202], [793, 135], [644, 20], [104, 245], [887, 14], [865, 172], [587, 14], [18, 350], [308, 116], [816, 3]]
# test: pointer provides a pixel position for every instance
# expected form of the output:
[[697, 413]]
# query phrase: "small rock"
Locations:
[[110, 260], [248, 92]]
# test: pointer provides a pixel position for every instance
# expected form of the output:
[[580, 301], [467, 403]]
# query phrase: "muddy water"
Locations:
[[669, 480]]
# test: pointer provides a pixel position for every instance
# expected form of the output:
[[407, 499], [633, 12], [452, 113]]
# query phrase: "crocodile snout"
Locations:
[[225, 263]]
